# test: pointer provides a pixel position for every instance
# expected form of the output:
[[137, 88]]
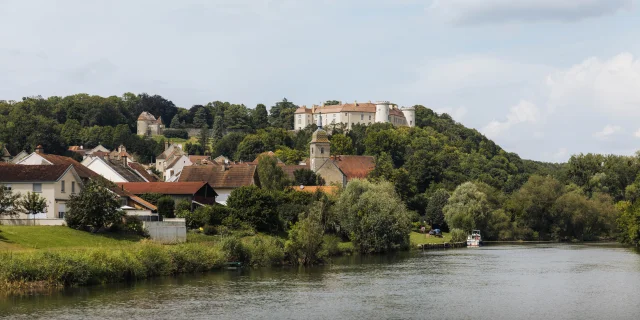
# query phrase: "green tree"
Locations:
[[331, 102], [94, 208], [218, 127], [8, 200], [250, 147], [341, 145], [200, 118], [282, 114], [70, 132], [434, 213], [373, 217], [166, 207], [383, 169], [628, 222], [306, 177], [31, 203], [531, 205], [467, 208], [260, 117], [228, 145], [271, 176], [305, 238], [203, 138], [175, 122], [257, 207]]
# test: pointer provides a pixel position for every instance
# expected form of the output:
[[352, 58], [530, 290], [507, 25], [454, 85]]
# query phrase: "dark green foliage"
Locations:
[[306, 177], [270, 175], [257, 207], [433, 213], [166, 207], [260, 117], [151, 197], [7, 200], [183, 205], [193, 148], [228, 145], [175, 133], [250, 147], [282, 114], [94, 208], [31, 203]]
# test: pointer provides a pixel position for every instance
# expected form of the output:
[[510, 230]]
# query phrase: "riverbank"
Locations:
[[43, 257]]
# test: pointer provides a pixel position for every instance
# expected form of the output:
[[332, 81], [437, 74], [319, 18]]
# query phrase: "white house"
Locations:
[[55, 183]]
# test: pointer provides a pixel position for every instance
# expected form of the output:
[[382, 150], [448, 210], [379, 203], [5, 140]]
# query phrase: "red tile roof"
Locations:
[[355, 167], [229, 176], [28, 173], [290, 169], [187, 188], [82, 171]]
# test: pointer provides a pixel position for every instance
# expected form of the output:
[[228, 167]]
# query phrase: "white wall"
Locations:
[[100, 167], [177, 167], [223, 194], [33, 160], [174, 231]]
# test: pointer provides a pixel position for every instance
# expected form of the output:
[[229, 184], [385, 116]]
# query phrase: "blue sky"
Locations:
[[543, 78]]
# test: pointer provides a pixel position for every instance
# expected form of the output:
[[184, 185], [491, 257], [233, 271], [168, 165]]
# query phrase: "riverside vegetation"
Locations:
[[436, 175]]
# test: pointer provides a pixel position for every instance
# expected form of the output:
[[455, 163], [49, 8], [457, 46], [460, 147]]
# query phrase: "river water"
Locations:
[[533, 281]]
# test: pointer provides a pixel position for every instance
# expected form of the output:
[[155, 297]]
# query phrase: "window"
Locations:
[[62, 187], [73, 187], [37, 187], [334, 115], [369, 117], [345, 114], [411, 122], [299, 121], [62, 208], [321, 150], [362, 116], [299, 116], [123, 202], [7, 187]]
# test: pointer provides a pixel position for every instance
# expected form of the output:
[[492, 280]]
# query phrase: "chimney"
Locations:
[[124, 159], [39, 149], [166, 145]]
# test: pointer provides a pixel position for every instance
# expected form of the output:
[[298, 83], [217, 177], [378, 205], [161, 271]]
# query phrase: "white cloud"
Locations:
[[612, 85], [523, 112], [472, 12], [607, 131], [637, 134]]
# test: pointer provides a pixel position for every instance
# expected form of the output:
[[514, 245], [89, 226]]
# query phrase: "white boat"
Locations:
[[474, 239]]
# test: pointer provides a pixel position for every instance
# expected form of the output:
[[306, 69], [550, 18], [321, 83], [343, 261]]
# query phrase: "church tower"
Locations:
[[319, 147]]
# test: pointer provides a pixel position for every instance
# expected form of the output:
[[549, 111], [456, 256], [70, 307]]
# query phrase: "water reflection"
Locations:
[[556, 281]]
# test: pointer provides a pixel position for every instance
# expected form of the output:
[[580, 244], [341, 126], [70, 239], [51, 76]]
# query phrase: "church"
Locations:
[[339, 169]]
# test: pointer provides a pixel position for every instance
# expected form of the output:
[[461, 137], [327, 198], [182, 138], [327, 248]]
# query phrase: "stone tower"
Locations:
[[319, 151], [382, 111]]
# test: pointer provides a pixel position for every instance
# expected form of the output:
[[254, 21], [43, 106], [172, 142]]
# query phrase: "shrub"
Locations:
[[209, 230], [183, 205], [234, 250], [152, 197], [331, 245], [166, 207], [266, 251], [175, 133], [305, 239], [458, 235], [155, 260]]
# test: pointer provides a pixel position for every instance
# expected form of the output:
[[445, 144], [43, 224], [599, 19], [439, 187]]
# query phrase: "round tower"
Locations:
[[410, 116], [382, 111]]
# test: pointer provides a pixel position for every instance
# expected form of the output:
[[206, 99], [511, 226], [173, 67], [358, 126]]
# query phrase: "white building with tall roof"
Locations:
[[350, 114]]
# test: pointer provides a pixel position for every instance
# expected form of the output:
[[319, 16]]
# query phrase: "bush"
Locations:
[[166, 207], [175, 133], [234, 250], [305, 239], [133, 225], [458, 235], [209, 230], [266, 251], [152, 197], [183, 205], [331, 246]]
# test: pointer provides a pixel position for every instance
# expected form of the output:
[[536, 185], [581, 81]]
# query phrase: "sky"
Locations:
[[543, 78]]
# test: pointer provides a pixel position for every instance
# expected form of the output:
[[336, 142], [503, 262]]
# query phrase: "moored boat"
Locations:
[[474, 239]]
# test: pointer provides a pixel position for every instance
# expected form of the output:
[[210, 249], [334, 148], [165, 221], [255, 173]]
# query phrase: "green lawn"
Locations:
[[48, 237], [176, 140], [419, 238]]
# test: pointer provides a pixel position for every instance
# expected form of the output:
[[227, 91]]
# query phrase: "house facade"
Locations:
[[200, 193], [55, 183], [223, 178]]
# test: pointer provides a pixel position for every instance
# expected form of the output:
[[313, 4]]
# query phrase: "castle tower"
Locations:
[[144, 120], [319, 147], [382, 111], [410, 115]]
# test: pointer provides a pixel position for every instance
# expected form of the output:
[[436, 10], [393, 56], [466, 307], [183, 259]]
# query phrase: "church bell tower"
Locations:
[[319, 148]]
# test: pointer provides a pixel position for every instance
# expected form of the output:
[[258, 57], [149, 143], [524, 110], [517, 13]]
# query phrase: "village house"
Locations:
[[223, 178], [117, 167], [171, 162], [18, 157], [56, 183], [199, 193], [130, 203]]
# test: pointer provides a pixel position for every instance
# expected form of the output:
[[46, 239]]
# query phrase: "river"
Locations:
[[532, 281]]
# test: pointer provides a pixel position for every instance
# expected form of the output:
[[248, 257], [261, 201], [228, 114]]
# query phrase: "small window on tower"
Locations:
[[321, 150]]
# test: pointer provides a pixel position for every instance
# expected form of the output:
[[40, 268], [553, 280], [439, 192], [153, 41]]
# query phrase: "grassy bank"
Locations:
[[41, 257], [420, 238]]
